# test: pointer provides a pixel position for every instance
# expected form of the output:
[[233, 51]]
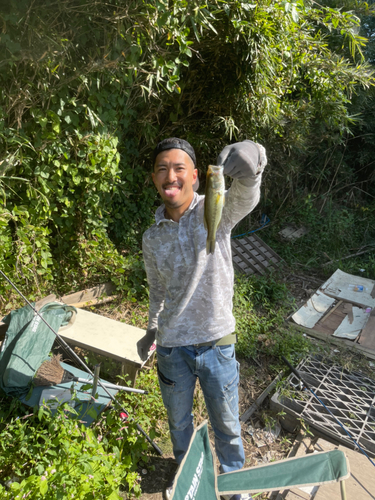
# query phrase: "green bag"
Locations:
[[27, 343]]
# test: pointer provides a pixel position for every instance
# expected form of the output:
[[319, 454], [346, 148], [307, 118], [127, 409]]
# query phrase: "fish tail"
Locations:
[[210, 246]]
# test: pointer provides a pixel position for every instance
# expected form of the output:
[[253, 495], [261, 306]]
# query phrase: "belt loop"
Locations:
[[214, 344]]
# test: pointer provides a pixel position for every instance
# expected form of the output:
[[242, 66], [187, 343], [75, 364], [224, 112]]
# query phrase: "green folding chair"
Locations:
[[196, 478]]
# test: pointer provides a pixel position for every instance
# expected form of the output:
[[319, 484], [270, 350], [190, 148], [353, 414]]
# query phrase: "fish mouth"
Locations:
[[216, 169]]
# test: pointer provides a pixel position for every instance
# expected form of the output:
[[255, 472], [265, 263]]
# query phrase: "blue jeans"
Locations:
[[217, 370]]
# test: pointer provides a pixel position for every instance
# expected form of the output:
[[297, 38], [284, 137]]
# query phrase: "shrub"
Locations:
[[55, 456]]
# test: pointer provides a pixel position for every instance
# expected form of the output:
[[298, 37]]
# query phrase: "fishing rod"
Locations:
[[82, 363], [299, 376]]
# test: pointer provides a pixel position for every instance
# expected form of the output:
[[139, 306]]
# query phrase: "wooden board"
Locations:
[[90, 294], [255, 406], [348, 344], [314, 310], [353, 323], [329, 323], [367, 336], [251, 255], [105, 336], [340, 286]]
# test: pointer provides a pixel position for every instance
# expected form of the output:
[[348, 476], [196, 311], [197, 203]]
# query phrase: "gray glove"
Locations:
[[243, 160], [144, 344]]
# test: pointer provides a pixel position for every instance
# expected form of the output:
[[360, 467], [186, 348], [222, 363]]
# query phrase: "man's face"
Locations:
[[174, 175]]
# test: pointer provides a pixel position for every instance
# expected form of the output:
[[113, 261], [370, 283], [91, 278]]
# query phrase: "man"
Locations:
[[190, 311]]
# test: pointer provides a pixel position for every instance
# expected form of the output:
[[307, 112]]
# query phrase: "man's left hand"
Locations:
[[144, 344], [243, 160]]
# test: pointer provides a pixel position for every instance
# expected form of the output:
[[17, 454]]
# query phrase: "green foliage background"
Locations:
[[87, 88]]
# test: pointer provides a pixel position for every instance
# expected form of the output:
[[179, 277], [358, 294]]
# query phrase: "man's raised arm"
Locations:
[[244, 162]]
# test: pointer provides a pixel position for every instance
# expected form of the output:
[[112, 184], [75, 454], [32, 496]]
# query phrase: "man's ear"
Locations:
[[195, 180]]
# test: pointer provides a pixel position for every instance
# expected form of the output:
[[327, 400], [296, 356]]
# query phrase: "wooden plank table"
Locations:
[[110, 338]]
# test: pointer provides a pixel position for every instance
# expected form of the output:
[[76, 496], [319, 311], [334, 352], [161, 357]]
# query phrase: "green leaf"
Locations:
[[40, 413], [114, 495], [43, 122], [92, 413], [43, 487]]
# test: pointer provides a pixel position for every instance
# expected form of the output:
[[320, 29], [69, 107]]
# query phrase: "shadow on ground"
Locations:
[[154, 481]]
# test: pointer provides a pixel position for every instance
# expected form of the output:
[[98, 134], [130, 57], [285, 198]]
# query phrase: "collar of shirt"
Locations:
[[160, 212]]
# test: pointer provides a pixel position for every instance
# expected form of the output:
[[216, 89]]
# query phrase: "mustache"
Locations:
[[169, 185]]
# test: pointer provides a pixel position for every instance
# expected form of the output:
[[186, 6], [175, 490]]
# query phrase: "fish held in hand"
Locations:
[[213, 204]]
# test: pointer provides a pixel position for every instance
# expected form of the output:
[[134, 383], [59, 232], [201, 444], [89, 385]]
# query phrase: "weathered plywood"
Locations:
[[347, 318], [351, 325], [367, 337], [349, 344], [315, 308], [90, 294], [332, 320], [343, 286]]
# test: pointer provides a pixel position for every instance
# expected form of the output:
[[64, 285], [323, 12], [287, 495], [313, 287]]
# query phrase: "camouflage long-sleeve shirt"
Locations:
[[191, 292]]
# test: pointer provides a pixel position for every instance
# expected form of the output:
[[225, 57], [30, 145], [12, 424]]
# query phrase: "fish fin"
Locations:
[[210, 246]]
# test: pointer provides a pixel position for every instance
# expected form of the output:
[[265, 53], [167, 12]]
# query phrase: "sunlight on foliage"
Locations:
[[45, 456]]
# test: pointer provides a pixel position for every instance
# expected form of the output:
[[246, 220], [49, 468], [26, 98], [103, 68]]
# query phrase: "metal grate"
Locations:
[[350, 396], [252, 256]]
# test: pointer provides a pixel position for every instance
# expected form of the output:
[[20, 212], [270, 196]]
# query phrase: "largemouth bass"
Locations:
[[213, 204]]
